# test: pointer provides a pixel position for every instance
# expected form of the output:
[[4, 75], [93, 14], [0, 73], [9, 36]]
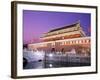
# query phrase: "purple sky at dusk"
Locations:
[[35, 23]]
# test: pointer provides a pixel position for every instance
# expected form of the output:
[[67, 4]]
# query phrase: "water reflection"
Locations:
[[42, 64], [40, 59]]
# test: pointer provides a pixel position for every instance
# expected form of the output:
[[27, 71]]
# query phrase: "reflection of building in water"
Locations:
[[64, 39]]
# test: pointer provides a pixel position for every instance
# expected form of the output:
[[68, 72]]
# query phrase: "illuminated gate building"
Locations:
[[65, 39]]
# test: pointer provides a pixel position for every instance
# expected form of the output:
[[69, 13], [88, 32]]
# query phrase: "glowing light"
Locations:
[[50, 55], [50, 65]]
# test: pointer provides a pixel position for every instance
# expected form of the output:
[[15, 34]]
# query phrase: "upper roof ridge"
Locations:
[[67, 26]]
